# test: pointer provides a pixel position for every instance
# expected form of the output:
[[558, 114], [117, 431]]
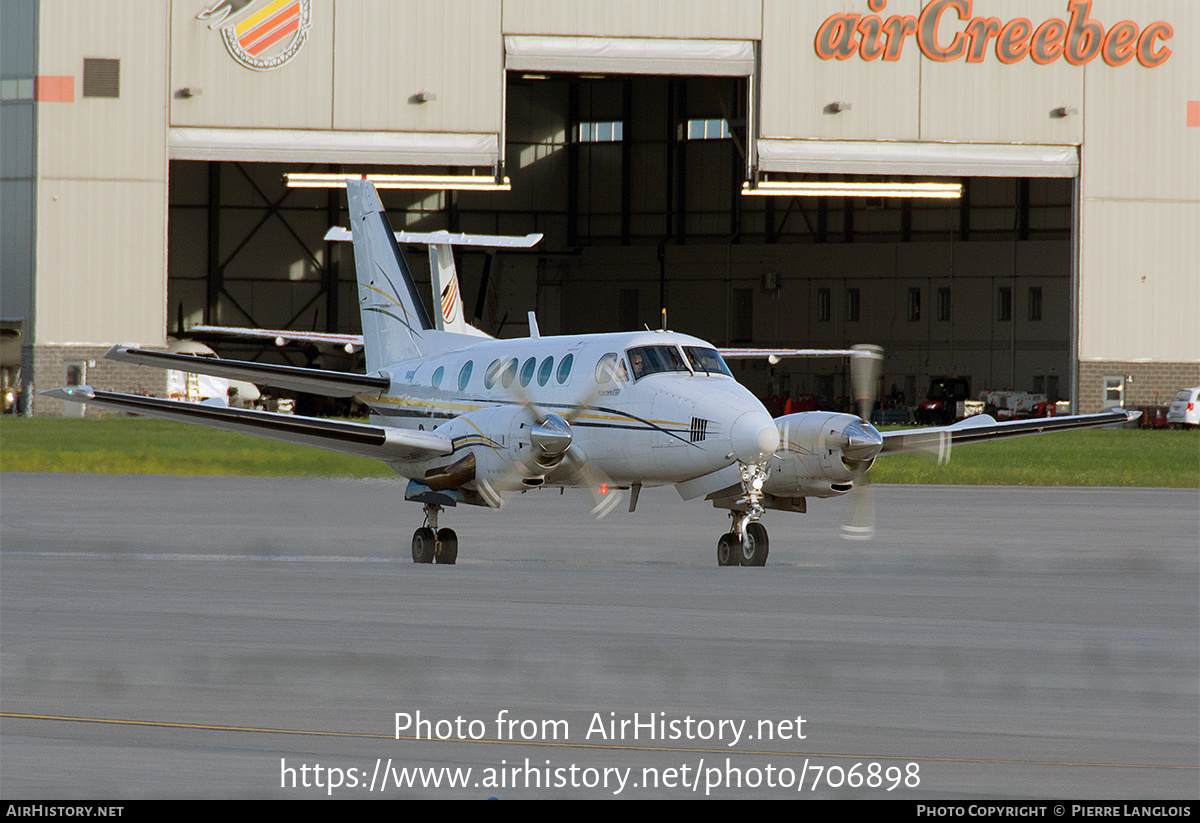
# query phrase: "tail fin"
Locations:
[[449, 313], [394, 319]]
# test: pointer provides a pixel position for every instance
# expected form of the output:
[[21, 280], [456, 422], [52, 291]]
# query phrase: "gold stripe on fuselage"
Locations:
[[456, 409]]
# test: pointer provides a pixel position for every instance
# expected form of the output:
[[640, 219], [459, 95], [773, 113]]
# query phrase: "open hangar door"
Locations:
[[637, 181]]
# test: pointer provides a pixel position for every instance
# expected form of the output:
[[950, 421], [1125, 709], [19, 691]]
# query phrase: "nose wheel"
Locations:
[[747, 543], [431, 544]]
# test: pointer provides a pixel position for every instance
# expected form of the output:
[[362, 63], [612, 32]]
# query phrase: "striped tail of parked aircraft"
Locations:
[[468, 418]]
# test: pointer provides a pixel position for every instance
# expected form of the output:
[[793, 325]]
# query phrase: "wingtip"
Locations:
[[76, 394]]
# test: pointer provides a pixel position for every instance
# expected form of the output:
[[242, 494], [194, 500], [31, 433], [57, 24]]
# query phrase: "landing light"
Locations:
[[458, 182]]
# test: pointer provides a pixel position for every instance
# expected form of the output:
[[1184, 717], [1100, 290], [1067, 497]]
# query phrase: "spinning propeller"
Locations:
[[552, 442], [862, 442]]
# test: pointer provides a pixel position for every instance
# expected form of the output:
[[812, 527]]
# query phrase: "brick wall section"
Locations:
[[1148, 378], [44, 368]]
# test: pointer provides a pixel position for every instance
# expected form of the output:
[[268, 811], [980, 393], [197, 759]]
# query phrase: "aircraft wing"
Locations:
[[315, 381], [380, 442], [983, 427]]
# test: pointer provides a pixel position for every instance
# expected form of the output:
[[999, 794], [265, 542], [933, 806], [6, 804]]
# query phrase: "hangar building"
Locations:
[[144, 145]]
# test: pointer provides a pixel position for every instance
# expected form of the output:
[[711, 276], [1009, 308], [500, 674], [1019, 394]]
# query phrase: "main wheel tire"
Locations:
[[423, 545], [754, 551], [447, 552], [728, 550]]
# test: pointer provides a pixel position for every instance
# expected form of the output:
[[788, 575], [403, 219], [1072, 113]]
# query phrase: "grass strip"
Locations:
[[1097, 457]]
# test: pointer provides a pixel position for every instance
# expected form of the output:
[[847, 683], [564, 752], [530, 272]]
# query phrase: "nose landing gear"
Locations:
[[747, 544]]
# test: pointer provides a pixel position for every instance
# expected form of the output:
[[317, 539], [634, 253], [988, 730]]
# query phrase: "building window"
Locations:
[[101, 77], [824, 299], [852, 305], [1004, 304], [1114, 391], [743, 315], [609, 132], [943, 304], [914, 304], [707, 129], [628, 308], [1035, 302]]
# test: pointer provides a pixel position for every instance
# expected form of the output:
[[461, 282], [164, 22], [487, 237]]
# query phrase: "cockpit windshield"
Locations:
[[645, 360], [706, 361]]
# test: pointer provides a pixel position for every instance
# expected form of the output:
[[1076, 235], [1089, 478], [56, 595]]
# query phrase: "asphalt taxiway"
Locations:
[[200, 637]]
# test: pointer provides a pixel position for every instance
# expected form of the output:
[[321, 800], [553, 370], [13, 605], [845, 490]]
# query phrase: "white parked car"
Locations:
[[1185, 409]]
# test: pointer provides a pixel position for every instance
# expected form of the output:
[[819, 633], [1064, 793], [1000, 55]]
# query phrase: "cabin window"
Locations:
[[464, 376], [645, 360], [564, 368], [527, 371], [492, 374], [437, 377], [606, 367], [509, 374], [545, 370]]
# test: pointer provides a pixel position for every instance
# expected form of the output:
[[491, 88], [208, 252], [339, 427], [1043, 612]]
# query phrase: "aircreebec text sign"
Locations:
[[941, 35]]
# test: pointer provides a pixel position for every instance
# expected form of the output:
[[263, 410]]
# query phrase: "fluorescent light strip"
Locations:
[[943, 191], [457, 182]]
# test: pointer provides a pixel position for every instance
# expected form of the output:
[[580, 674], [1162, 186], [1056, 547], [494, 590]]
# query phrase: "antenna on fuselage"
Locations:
[[664, 318]]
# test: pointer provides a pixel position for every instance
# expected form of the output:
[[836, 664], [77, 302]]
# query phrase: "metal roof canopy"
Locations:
[[313, 146], [629, 55], [916, 159]]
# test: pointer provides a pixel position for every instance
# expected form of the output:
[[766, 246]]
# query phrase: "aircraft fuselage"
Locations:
[[658, 395]]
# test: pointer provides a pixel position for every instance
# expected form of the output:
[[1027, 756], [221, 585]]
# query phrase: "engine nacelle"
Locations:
[[821, 454], [512, 449]]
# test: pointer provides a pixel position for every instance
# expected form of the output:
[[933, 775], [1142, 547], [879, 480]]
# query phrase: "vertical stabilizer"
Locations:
[[445, 285], [394, 320], [448, 314]]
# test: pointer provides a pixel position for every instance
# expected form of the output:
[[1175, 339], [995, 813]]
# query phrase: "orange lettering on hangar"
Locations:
[[1079, 39]]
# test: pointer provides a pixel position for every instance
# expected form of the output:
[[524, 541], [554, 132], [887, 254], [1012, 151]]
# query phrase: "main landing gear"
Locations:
[[751, 551], [431, 544]]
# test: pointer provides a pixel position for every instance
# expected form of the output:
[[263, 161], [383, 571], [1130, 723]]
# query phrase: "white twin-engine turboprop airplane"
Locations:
[[469, 418]]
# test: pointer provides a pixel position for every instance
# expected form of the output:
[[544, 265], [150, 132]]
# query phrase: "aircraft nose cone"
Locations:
[[863, 442], [754, 437]]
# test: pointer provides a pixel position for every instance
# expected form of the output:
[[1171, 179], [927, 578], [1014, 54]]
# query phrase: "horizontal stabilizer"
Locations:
[[350, 343], [315, 381], [982, 428], [379, 442], [777, 354], [338, 234]]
